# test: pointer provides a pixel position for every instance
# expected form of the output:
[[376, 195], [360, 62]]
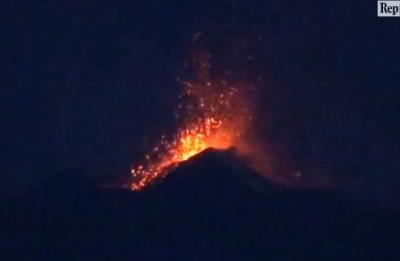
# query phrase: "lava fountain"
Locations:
[[214, 112]]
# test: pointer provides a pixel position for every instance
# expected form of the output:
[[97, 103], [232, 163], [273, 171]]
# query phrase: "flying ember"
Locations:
[[213, 112]]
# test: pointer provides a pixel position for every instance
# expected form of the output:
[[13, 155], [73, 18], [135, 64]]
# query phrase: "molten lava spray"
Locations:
[[213, 112]]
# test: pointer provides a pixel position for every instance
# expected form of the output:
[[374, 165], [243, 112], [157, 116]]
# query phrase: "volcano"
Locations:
[[210, 207], [216, 171]]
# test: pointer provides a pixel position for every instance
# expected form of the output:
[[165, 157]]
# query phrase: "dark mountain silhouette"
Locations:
[[212, 207]]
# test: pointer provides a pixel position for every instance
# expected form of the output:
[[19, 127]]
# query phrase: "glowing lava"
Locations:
[[213, 113]]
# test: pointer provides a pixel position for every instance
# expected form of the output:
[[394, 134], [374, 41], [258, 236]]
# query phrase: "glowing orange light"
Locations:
[[216, 114]]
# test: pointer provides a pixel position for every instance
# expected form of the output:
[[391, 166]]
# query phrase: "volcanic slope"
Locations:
[[211, 207]]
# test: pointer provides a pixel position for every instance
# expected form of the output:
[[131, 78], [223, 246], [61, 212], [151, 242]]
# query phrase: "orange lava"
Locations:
[[213, 113]]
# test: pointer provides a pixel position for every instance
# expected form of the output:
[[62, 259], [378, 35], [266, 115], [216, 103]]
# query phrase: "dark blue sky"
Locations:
[[86, 84]]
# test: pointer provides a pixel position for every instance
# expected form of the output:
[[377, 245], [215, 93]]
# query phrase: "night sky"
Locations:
[[89, 85]]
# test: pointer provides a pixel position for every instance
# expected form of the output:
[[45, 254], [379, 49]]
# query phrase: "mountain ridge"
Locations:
[[205, 209]]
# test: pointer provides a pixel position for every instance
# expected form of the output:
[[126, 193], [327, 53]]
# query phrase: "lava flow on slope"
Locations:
[[213, 112]]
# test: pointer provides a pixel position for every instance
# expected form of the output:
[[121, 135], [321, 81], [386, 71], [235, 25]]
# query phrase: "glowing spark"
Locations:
[[217, 115]]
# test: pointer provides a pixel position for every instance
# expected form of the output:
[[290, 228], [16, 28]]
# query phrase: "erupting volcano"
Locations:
[[214, 112]]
